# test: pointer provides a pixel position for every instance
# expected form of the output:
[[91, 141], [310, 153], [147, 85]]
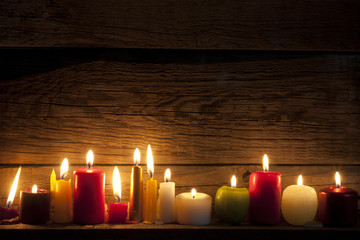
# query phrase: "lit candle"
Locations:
[[150, 201], [34, 205], [299, 203], [136, 190], [338, 205], [193, 208], [167, 204], [9, 215], [118, 210], [61, 190], [231, 203], [265, 195], [89, 194]]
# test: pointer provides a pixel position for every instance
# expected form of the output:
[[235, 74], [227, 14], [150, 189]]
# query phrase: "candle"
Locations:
[[265, 195], [231, 203], [299, 203], [193, 208], [167, 204], [34, 205], [338, 205], [61, 190], [151, 191], [118, 210], [89, 194], [136, 190]]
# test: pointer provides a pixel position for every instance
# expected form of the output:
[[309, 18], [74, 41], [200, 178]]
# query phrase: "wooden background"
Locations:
[[211, 85]]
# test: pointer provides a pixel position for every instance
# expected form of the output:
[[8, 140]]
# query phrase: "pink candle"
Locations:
[[117, 211], [265, 196], [89, 194]]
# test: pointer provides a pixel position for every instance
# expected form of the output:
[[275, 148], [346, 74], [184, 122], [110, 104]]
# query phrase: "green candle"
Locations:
[[231, 203]]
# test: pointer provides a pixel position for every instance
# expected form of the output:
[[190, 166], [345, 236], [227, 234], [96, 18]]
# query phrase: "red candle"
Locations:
[[117, 211], [34, 205], [89, 194], [265, 195], [338, 205]]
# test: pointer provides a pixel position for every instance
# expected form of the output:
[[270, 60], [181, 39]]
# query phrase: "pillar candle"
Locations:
[[136, 190], [265, 195], [193, 208], [34, 205], [167, 204], [338, 205], [118, 210], [89, 194], [299, 203], [231, 203], [150, 201]]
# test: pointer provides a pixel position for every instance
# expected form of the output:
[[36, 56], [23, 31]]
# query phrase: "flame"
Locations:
[[34, 189], [137, 157], [64, 168], [167, 175], [117, 184], [150, 162], [337, 180], [300, 180], [193, 193], [11, 197], [265, 163], [90, 159], [233, 181]]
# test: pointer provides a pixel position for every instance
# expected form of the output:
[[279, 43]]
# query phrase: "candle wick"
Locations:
[[193, 196]]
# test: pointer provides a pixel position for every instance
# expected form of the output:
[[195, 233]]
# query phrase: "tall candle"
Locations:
[[299, 203], [118, 210], [89, 194], [136, 190], [265, 195], [338, 205], [167, 204], [150, 201]]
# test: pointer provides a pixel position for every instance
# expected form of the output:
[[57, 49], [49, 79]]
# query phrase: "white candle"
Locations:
[[299, 203], [193, 208], [167, 204]]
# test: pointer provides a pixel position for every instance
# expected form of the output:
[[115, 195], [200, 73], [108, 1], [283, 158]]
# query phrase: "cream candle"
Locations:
[[167, 205], [299, 203], [193, 208]]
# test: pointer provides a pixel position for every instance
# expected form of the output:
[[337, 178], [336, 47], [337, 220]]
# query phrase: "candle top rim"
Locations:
[[268, 172], [335, 190], [236, 188], [85, 170], [188, 195], [39, 191]]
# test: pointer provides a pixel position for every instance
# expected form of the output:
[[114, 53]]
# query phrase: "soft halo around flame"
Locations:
[[137, 157], [34, 189], [117, 184], [64, 168], [233, 181], [167, 176], [265, 163], [150, 162], [193, 193], [300, 180], [337, 180], [11, 197], [90, 159]]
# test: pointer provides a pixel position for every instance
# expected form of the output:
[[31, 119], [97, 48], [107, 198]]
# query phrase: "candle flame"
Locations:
[[193, 193], [137, 157], [300, 180], [265, 163], [167, 175], [64, 168], [233, 181], [11, 197], [90, 159], [34, 189], [150, 162], [337, 180], [117, 184]]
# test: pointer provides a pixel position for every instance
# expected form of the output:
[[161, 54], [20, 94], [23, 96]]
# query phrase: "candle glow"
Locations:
[[300, 180], [150, 162], [11, 197], [64, 168], [34, 189], [193, 193], [89, 159], [337, 180], [117, 184], [137, 157], [167, 175], [265, 163], [233, 181]]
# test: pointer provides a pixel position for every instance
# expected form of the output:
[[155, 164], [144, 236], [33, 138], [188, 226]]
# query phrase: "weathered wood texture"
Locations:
[[192, 107], [188, 24]]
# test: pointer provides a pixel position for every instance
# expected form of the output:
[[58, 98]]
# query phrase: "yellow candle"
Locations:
[[151, 191], [61, 190]]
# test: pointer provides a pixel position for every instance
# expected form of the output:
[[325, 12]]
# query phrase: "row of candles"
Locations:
[[261, 203]]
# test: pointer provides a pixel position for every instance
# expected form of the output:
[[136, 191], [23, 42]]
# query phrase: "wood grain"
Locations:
[[321, 25], [193, 108]]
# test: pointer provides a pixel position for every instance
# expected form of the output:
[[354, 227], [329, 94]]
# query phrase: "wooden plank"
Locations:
[[188, 24], [192, 107]]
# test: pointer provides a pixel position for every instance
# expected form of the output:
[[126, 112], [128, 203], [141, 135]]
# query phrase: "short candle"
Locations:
[[118, 210]]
